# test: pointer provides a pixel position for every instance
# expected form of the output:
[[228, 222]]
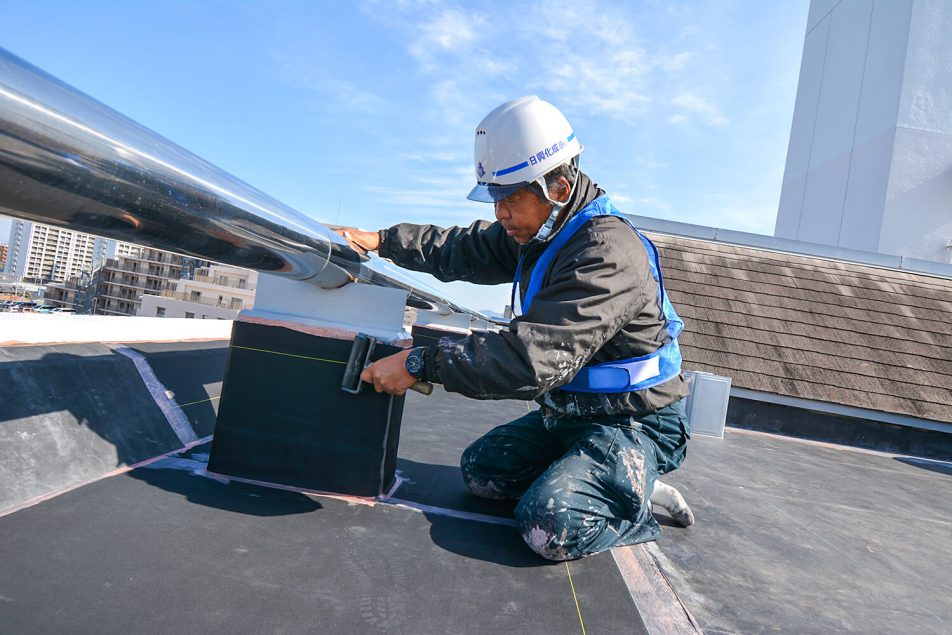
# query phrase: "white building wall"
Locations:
[[116, 248], [158, 306], [870, 155], [218, 292], [920, 185]]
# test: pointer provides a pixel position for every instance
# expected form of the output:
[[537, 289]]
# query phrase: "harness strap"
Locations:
[[625, 375]]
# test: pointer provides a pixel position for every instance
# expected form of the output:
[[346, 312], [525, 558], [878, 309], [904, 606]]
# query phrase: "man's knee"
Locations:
[[552, 530], [480, 481]]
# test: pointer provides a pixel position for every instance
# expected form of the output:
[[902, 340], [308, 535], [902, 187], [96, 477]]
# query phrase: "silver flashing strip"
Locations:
[[844, 411], [160, 395]]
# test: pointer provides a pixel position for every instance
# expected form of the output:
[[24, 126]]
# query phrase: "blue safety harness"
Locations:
[[626, 375]]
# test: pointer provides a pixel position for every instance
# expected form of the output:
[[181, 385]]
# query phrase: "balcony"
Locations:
[[169, 275], [233, 304], [121, 297], [122, 282], [222, 281]]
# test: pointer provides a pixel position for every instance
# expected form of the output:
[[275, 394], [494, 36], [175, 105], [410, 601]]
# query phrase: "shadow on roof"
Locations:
[[933, 466]]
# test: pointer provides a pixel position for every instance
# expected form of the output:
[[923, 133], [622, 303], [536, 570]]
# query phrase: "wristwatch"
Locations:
[[415, 362]]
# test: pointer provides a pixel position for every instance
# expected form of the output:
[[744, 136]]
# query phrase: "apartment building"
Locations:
[[41, 253], [117, 284], [214, 292], [3, 257], [124, 280]]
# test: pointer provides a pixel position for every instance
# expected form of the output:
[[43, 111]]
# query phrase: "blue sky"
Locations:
[[363, 112]]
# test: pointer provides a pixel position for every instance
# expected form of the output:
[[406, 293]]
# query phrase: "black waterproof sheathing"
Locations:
[[426, 336], [284, 419]]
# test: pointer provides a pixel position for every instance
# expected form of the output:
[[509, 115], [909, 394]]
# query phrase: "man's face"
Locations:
[[522, 214]]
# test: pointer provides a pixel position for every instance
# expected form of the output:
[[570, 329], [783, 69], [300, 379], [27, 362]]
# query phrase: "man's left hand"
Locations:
[[390, 374]]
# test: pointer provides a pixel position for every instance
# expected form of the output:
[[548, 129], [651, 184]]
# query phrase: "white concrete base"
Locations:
[[41, 328], [363, 308]]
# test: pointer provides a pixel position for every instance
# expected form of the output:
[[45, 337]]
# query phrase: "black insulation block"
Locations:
[[284, 419]]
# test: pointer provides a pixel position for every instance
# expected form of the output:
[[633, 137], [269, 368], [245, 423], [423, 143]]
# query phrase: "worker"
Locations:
[[593, 340]]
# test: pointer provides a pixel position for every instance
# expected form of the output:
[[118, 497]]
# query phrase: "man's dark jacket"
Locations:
[[598, 302]]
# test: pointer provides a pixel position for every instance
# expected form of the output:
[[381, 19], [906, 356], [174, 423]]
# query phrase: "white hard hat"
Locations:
[[516, 144]]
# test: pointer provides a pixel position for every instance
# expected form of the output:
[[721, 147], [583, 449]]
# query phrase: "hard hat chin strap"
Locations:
[[549, 223], [557, 206]]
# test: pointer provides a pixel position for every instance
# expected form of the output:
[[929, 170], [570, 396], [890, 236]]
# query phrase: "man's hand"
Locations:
[[366, 241], [390, 374]]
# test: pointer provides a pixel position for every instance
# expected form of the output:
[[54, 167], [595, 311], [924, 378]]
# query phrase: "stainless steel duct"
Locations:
[[70, 161]]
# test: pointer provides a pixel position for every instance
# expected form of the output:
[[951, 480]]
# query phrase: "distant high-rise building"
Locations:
[[3, 257], [49, 254], [870, 155]]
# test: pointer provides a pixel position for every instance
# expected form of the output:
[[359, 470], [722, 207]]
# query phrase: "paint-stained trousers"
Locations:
[[583, 484]]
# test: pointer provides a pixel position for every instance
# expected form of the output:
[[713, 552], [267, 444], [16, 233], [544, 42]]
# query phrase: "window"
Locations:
[[195, 296], [189, 315], [160, 311]]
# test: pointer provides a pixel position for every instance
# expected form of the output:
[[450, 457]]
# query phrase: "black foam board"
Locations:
[[284, 419]]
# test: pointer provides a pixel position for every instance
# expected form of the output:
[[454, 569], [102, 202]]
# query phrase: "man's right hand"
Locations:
[[366, 241]]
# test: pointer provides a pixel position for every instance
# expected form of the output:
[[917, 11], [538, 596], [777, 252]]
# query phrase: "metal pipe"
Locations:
[[70, 161]]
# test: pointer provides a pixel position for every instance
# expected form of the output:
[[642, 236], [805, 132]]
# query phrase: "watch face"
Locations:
[[414, 363]]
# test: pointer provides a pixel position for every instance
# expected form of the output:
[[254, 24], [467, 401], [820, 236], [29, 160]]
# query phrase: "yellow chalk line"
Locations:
[[317, 359], [192, 403], [575, 597], [262, 350]]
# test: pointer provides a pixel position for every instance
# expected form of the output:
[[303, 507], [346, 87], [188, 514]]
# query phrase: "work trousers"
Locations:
[[582, 484]]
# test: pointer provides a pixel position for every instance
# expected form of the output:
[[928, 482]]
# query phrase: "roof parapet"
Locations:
[[786, 245]]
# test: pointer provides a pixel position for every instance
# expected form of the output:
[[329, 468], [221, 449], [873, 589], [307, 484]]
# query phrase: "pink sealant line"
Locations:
[[370, 501], [450, 513], [384, 499], [121, 470]]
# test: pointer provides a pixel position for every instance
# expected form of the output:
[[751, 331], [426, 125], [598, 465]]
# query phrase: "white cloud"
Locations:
[[440, 195], [675, 63], [610, 85], [622, 201], [676, 119], [450, 31], [453, 46], [740, 217], [343, 94], [650, 163], [654, 203], [692, 103], [441, 157]]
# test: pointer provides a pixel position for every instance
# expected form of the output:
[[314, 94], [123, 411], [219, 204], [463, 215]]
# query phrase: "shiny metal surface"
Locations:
[[70, 161]]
